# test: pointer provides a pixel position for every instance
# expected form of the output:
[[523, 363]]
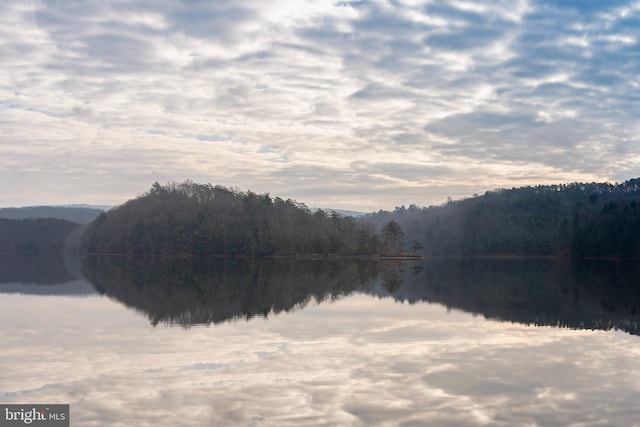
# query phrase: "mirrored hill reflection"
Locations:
[[578, 294], [52, 274], [41, 269], [200, 291]]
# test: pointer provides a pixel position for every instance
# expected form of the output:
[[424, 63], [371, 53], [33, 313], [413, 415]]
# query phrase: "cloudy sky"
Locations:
[[346, 104]]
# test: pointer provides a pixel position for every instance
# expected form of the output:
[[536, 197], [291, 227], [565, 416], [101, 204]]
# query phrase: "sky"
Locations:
[[360, 105]]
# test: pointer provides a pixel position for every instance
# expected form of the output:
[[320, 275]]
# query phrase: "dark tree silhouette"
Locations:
[[392, 235]]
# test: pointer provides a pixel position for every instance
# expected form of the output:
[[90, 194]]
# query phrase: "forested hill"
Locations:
[[34, 235], [190, 218], [580, 219]]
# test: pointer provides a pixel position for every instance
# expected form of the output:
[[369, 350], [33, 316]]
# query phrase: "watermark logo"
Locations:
[[34, 415]]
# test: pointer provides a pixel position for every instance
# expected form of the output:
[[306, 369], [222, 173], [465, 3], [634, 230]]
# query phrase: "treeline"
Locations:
[[580, 220], [34, 235], [593, 219], [201, 219]]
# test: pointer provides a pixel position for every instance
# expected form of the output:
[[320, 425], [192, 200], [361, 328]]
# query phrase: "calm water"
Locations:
[[152, 342]]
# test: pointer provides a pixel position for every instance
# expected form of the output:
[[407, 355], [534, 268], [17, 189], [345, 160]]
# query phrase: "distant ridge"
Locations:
[[84, 205], [343, 212], [80, 214]]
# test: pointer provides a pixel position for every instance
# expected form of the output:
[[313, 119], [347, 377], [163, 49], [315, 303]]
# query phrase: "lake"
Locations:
[[215, 342]]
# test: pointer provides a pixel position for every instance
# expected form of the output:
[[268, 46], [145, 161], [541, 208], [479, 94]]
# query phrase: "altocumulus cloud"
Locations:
[[427, 98]]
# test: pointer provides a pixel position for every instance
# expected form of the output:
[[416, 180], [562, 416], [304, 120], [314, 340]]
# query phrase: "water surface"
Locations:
[[249, 343]]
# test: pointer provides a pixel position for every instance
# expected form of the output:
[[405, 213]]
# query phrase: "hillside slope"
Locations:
[[34, 235], [592, 219]]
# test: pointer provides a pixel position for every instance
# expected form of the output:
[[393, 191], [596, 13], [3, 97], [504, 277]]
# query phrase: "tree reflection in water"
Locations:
[[195, 291]]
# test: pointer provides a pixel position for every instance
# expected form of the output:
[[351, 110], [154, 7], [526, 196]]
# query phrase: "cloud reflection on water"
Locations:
[[357, 361]]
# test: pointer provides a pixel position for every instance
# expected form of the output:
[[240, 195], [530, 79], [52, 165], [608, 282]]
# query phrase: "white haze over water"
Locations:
[[352, 104], [360, 361]]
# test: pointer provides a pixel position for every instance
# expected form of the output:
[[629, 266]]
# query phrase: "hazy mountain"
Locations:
[[81, 214], [342, 212]]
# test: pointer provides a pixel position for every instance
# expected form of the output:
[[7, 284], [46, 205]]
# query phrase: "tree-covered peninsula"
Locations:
[[201, 219]]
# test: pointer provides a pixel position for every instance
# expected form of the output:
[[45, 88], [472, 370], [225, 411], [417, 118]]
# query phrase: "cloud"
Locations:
[[513, 86]]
